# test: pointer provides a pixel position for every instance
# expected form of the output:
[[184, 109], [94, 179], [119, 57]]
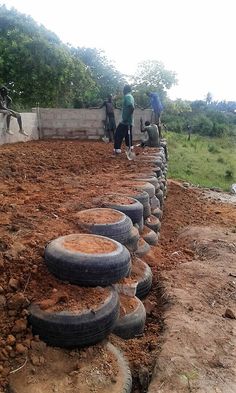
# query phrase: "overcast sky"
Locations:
[[194, 38]]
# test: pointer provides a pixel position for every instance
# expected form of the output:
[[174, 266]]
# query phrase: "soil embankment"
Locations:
[[43, 184]]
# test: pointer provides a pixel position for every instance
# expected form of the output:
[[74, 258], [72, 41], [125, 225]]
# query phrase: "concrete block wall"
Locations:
[[81, 123], [60, 123], [30, 125]]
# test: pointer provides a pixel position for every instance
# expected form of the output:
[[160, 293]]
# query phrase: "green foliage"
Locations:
[[151, 75], [107, 78], [37, 67], [205, 119], [204, 161]]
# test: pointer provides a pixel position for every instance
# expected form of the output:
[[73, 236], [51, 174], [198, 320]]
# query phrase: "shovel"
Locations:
[[129, 153]]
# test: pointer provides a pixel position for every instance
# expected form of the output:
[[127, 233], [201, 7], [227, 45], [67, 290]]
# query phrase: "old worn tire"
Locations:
[[123, 366], [132, 243], [144, 279], [145, 186], [144, 199], [87, 269], [118, 230], [153, 223], [131, 325], [150, 179], [143, 248], [157, 213], [155, 203], [150, 236], [68, 329], [160, 196], [134, 211]]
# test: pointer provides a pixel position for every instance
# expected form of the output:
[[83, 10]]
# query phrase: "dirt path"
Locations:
[[42, 186]]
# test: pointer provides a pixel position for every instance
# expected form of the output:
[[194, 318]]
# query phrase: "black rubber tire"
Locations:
[[87, 269], [160, 196], [123, 366], [142, 249], [146, 211], [143, 198], [140, 224], [132, 243], [131, 325], [153, 223], [119, 230], [157, 213], [134, 211], [145, 281], [154, 202], [147, 187], [150, 179], [150, 237], [123, 385], [68, 330], [159, 172]]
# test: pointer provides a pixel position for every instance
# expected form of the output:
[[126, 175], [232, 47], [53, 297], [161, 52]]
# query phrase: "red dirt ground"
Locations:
[[43, 185]]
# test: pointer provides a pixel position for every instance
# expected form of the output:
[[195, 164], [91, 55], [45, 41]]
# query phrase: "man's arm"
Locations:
[[2, 106]]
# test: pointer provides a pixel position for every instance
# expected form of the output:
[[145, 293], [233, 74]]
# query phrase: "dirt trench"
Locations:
[[43, 185]]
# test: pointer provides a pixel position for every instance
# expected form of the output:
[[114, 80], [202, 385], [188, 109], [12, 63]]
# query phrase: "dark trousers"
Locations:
[[120, 134]]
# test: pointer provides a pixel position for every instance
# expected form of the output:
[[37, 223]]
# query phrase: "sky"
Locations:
[[194, 38]]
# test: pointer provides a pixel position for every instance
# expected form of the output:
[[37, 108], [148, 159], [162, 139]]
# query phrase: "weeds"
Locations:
[[199, 162]]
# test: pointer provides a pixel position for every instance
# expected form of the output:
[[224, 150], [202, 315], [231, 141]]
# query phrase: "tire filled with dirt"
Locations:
[[106, 222], [63, 325], [142, 273], [131, 321], [101, 369], [150, 236], [127, 205], [87, 260]]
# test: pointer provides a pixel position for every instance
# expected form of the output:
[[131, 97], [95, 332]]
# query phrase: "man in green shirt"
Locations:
[[126, 123], [153, 139]]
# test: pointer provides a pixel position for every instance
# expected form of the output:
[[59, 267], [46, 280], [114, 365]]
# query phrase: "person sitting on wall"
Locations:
[[151, 129], [5, 103]]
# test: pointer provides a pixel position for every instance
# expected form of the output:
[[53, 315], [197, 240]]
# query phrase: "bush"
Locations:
[[212, 149]]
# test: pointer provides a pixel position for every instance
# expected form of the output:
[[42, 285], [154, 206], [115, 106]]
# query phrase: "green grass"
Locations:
[[203, 161]]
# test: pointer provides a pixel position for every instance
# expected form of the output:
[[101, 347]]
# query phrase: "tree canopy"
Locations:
[[38, 67]]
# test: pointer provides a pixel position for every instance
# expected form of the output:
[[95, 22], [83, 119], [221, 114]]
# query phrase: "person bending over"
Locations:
[[152, 138]]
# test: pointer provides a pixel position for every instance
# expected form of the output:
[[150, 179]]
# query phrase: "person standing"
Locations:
[[157, 108], [126, 122], [110, 122], [5, 103]]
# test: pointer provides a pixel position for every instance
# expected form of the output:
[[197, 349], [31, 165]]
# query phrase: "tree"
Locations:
[[106, 76], [37, 67], [209, 98], [151, 75]]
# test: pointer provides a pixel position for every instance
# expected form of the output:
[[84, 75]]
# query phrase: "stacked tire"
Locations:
[[84, 260]]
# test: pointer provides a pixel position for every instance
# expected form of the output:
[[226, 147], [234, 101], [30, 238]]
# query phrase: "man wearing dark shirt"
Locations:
[[5, 102], [110, 123]]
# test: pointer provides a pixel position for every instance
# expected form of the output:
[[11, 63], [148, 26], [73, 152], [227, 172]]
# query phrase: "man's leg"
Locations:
[[8, 120], [5, 113], [119, 136], [19, 121], [129, 138]]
